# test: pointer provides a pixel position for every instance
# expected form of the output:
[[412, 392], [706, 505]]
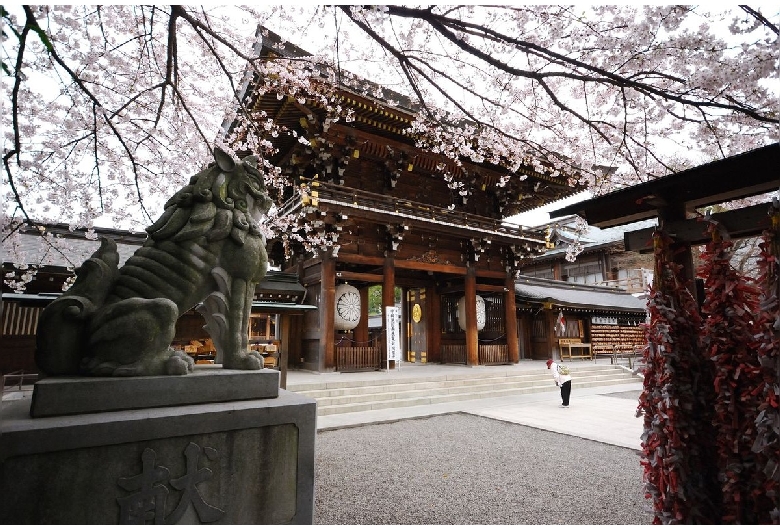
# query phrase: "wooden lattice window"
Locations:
[[539, 328], [449, 314], [494, 313]]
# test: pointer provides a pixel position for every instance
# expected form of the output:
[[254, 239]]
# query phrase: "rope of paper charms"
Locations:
[[728, 340], [676, 441], [767, 422]]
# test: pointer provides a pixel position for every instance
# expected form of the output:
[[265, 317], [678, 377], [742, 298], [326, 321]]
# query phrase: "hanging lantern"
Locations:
[[480, 313], [347, 315]]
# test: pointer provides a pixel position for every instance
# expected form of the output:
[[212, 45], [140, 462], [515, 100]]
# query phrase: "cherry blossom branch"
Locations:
[[402, 59], [95, 154], [14, 152], [407, 66], [442, 24], [32, 22], [761, 18], [171, 64]]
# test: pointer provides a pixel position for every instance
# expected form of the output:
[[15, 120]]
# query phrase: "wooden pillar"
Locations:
[[403, 335], [327, 350], [472, 344], [512, 340], [550, 316], [680, 251], [434, 324], [361, 330], [295, 342], [557, 271], [388, 295], [525, 328], [285, 344]]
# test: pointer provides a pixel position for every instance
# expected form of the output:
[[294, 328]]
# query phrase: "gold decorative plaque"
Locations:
[[416, 313]]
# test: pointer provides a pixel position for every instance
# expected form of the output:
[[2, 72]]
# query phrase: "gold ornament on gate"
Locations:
[[417, 313]]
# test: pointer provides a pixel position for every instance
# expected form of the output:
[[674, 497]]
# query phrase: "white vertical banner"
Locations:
[[393, 334]]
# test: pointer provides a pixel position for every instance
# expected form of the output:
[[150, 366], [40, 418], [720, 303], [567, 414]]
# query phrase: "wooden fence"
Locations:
[[493, 354], [453, 353], [488, 354], [357, 358]]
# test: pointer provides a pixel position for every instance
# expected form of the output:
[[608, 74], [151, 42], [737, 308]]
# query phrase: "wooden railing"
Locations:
[[634, 284], [15, 380], [488, 354], [453, 353], [409, 211], [493, 354], [357, 358]]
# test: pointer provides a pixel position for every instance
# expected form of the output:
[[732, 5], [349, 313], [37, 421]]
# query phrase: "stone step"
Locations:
[[338, 397], [426, 388], [468, 377], [317, 390], [360, 406]]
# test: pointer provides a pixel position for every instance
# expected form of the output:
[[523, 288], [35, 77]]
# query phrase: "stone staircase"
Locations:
[[337, 397]]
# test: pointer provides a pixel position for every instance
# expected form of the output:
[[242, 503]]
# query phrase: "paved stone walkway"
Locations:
[[605, 414]]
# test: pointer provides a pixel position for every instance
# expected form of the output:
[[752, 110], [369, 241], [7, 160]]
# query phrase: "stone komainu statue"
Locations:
[[205, 250]]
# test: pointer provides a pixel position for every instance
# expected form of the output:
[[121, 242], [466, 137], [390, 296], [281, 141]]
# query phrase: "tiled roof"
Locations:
[[68, 251], [74, 251], [574, 295]]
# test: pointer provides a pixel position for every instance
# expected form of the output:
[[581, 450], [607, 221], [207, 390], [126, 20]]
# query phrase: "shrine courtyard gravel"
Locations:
[[465, 469]]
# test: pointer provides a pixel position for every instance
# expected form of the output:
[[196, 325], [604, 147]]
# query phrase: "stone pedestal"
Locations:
[[248, 460]]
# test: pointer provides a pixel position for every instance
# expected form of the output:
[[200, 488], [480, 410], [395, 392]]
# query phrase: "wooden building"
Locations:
[[676, 202], [602, 261], [559, 319], [374, 209]]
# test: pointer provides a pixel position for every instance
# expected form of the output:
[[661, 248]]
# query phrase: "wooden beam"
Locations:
[[480, 287], [359, 277], [403, 264], [736, 177], [434, 267], [358, 259], [483, 287], [745, 222], [491, 274]]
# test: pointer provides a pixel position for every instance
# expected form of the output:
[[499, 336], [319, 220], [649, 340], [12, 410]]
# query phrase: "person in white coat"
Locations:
[[562, 379]]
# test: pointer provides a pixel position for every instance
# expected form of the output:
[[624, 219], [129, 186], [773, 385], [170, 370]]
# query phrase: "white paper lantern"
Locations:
[[480, 313], [347, 315]]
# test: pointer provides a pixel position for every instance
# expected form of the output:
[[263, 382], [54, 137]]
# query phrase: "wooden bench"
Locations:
[[566, 345]]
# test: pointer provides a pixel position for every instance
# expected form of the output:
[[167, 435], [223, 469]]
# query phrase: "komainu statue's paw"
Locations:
[[250, 360], [179, 363], [166, 362]]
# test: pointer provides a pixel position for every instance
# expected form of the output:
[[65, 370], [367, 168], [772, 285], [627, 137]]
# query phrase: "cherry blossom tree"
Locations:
[[109, 109]]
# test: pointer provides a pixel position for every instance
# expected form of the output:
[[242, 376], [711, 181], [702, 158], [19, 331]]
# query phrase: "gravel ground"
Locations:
[[464, 469]]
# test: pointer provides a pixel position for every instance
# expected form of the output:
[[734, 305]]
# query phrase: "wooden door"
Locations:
[[417, 326]]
